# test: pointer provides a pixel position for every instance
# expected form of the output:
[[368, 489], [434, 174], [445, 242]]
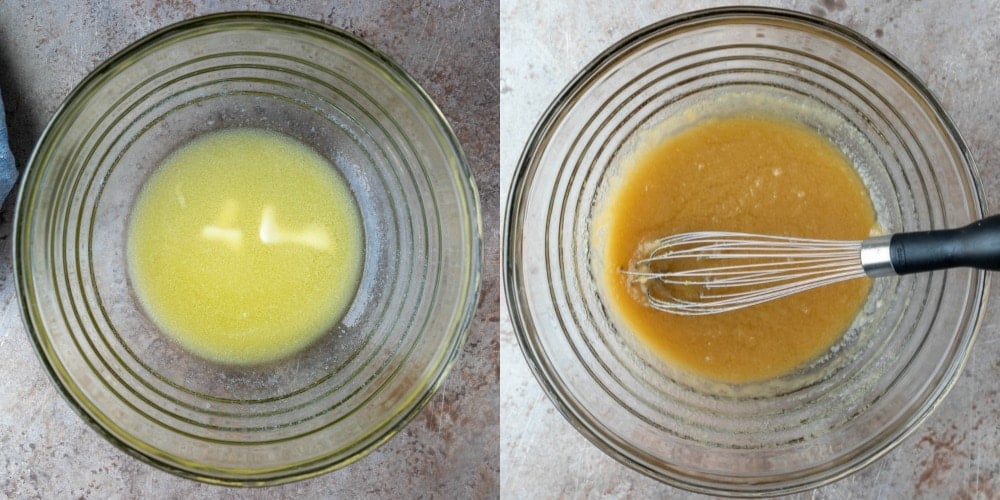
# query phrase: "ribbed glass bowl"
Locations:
[[825, 420], [364, 379]]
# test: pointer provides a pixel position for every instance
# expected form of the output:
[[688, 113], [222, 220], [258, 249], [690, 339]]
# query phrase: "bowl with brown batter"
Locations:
[[753, 120]]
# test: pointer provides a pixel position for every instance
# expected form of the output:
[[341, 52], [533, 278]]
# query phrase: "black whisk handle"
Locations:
[[976, 245]]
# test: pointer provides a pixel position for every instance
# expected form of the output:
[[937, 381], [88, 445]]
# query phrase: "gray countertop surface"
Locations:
[[451, 449], [954, 47]]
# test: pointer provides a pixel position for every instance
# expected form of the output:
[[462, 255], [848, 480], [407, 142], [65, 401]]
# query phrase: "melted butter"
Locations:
[[737, 174], [245, 246]]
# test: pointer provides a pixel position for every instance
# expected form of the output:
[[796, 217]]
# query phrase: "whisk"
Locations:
[[713, 272]]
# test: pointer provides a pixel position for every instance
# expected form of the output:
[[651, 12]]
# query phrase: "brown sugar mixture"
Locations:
[[749, 174]]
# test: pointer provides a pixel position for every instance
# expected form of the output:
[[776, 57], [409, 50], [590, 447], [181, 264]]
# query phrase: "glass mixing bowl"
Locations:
[[825, 420], [358, 385]]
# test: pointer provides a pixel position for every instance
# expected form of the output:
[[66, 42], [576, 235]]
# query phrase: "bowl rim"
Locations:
[[465, 186], [519, 311]]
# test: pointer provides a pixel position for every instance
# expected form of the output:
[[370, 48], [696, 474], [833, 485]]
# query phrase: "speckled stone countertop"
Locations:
[[451, 450], [954, 47]]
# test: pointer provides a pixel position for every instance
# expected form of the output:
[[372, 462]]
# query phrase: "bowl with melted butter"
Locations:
[[752, 120], [248, 249]]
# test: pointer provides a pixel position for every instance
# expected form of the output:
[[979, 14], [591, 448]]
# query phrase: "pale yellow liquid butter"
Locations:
[[245, 246]]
